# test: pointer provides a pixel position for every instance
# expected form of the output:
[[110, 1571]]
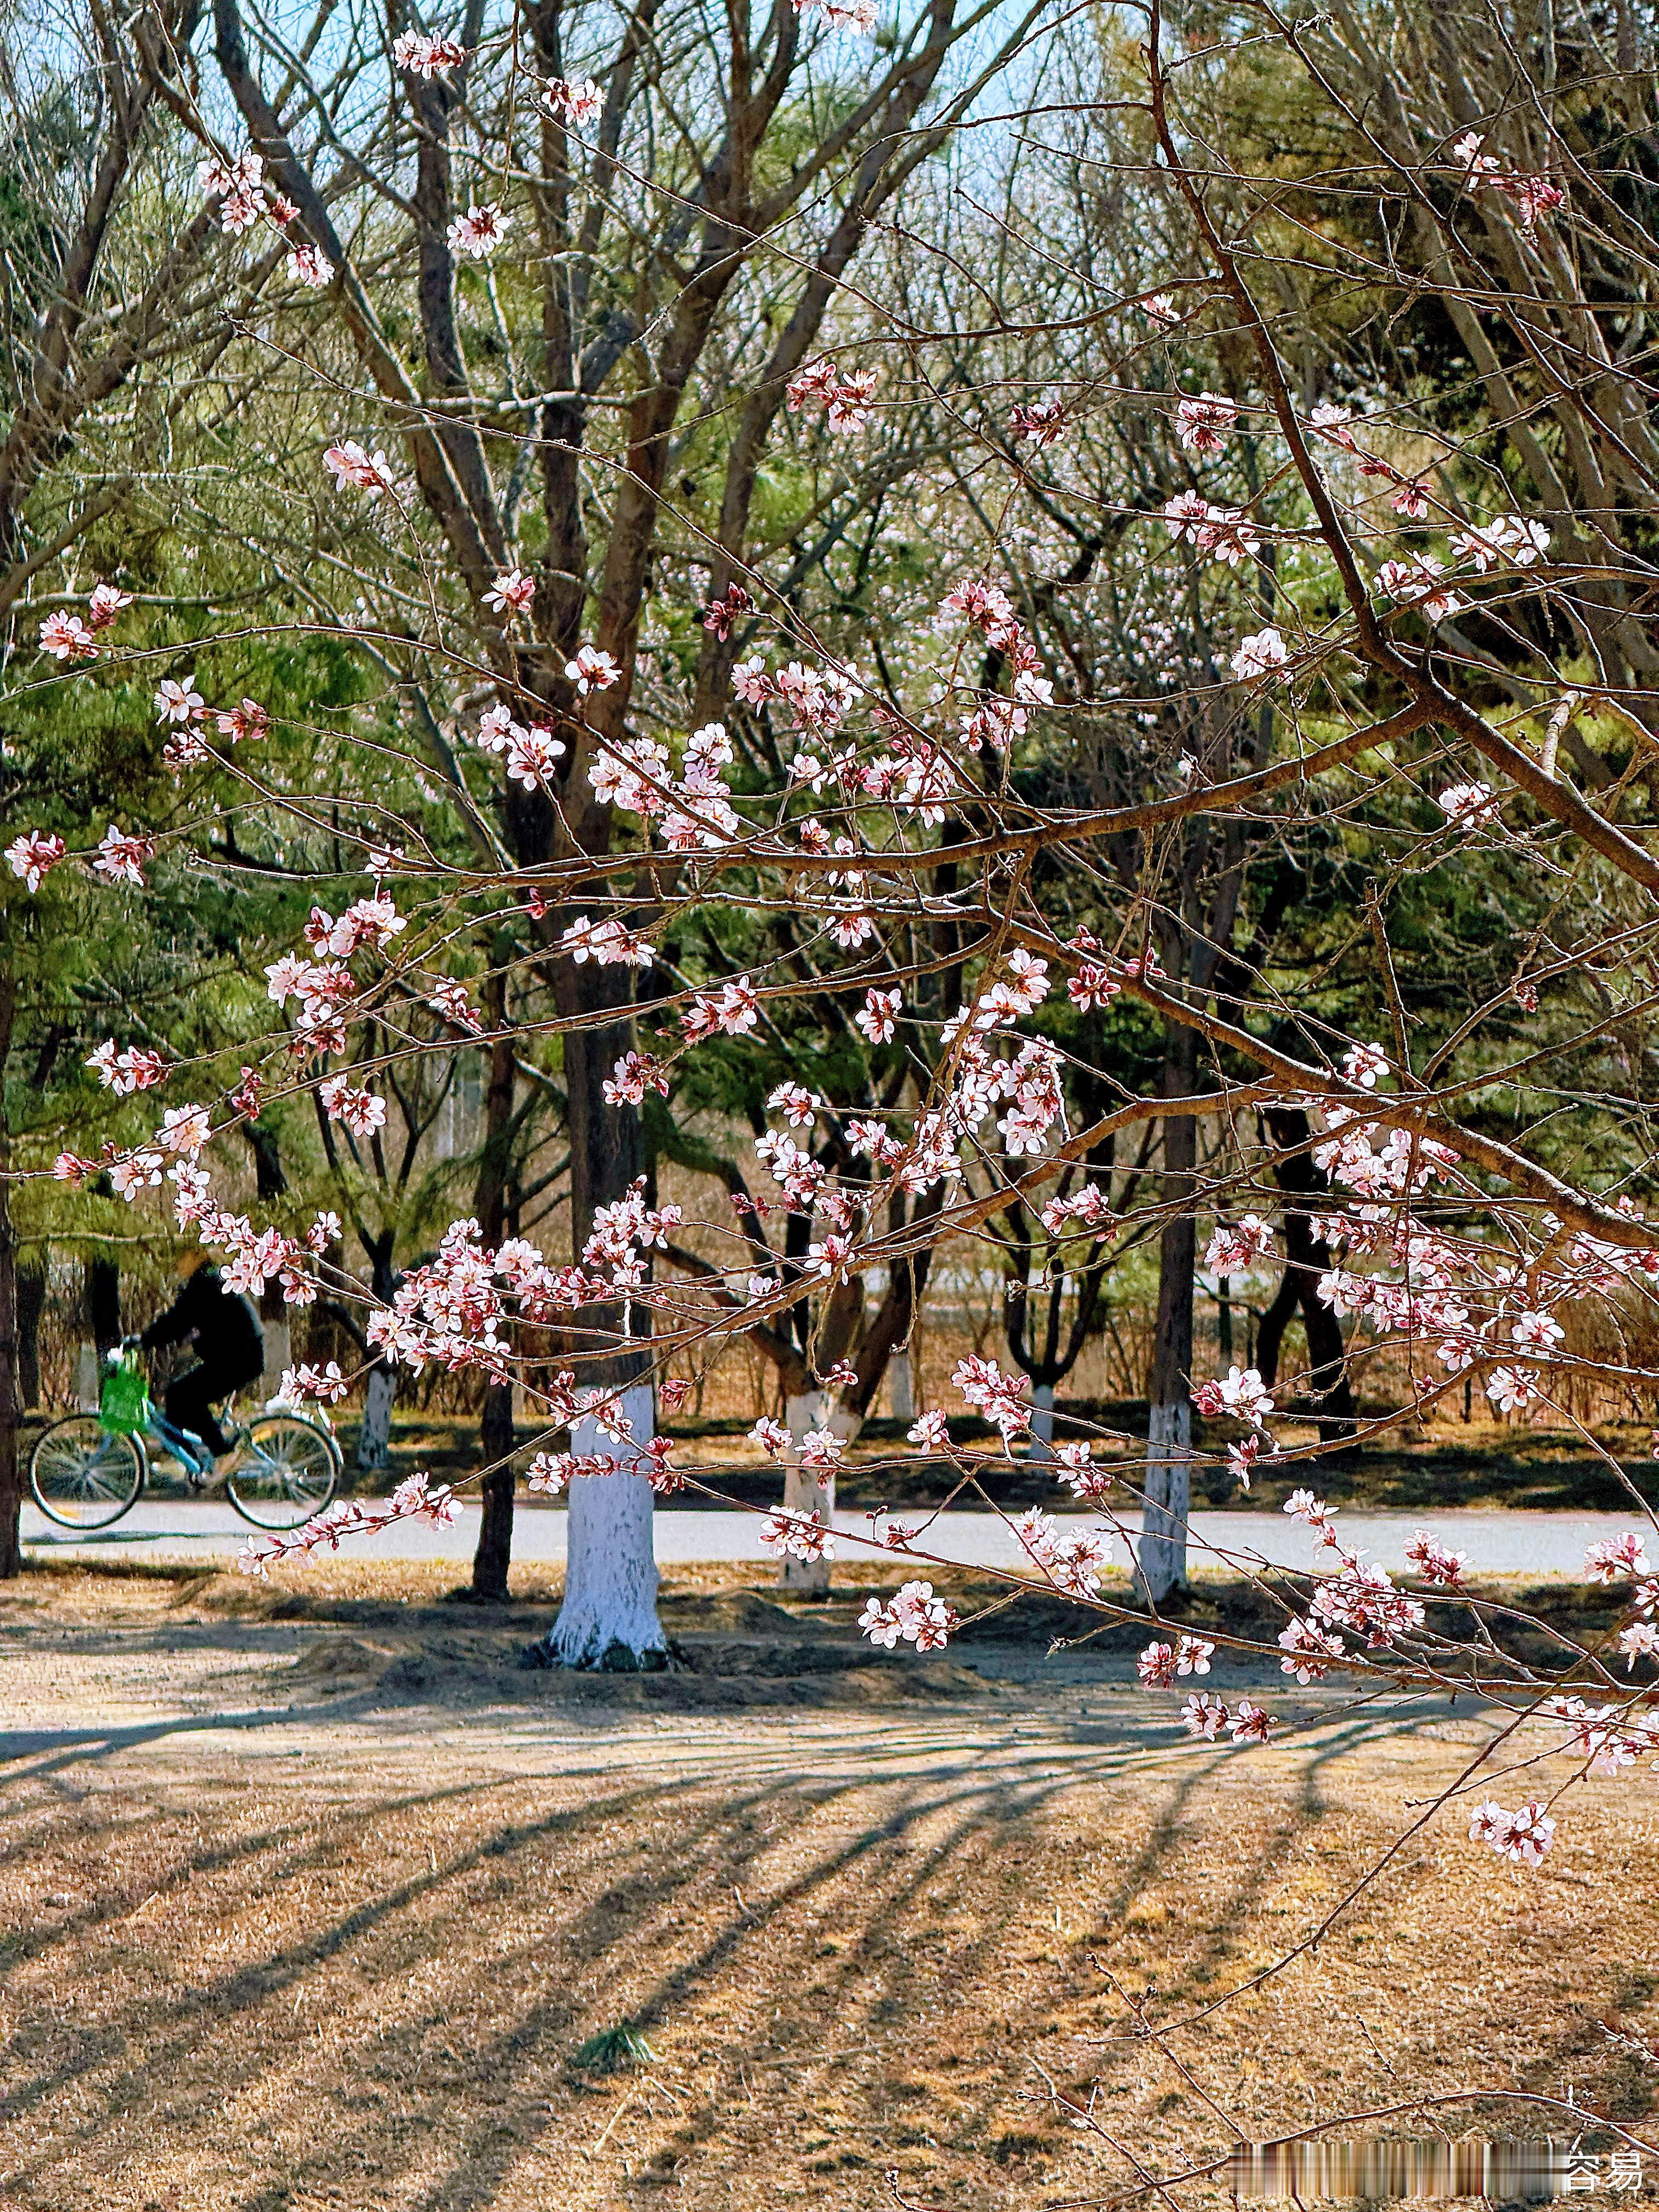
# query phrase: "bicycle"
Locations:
[[88, 1470]]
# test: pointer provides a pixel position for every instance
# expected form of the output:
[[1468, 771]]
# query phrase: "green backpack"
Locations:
[[123, 1404]]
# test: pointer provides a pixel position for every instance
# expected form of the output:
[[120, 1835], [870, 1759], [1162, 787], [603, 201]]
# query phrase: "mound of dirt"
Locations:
[[336, 1664], [781, 1661]]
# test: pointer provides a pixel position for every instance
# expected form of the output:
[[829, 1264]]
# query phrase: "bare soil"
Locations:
[[313, 1897]]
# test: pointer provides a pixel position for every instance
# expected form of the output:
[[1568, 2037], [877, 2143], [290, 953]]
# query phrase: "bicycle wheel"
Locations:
[[84, 1475], [287, 1471]]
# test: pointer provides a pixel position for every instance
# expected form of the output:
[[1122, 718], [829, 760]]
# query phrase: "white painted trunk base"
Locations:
[[804, 1493], [611, 1566], [1041, 1446], [86, 1377], [901, 1385], [1161, 1564], [375, 1434], [279, 1356]]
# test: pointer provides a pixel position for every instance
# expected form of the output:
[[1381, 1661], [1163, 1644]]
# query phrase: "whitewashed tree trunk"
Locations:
[[804, 1493], [608, 1617], [375, 1437], [903, 1387], [1041, 1446], [279, 1356], [1162, 1557], [86, 1377]]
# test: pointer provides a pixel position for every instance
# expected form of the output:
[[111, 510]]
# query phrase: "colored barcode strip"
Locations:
[[1385, 2167]]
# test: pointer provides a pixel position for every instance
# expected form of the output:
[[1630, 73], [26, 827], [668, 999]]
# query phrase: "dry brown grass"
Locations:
[[342, 1951]]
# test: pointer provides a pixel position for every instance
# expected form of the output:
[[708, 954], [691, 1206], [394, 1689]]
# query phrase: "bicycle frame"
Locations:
[[153, 1428], [161, 1431]]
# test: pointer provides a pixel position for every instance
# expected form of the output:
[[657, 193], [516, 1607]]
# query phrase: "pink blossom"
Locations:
[[512, 592], [1475, 164], [1241, 1392], [1509, 1388], [878, 1018], [247, 721], [1203, 425], [1469, 805], [593, 670], [633, 1074], [1001, 1398], [479, 231], [361, 1111], [605, 942], [1434, 1562], [134, 1173], [1613, 1558], [1364, 1063], [1041, 423], [916, 1615], [1523, 1836], [184, 1130], [845, 399], [34, 855], [1159, 1664], [1414, 583], [1307, 1648], [574, 100], [1302, 1505], [1250, 1724], [1204, 1716], [1259, 655], [178, 701], [788, 1535], [1362, 1598], [851, 14], [121, 859], [307, 1382], [1234, 1246], [425, 55], [309, 265], [67, 637], [351, 463]]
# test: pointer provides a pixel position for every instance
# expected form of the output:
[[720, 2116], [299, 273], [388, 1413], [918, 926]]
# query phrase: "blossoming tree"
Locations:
[[1390, 640]]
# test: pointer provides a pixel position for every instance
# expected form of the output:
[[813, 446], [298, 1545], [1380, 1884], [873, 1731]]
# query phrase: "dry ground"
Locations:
[[314, 1902]]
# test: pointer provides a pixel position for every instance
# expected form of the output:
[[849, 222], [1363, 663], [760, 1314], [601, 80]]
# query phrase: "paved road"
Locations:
[[1498, 1543]]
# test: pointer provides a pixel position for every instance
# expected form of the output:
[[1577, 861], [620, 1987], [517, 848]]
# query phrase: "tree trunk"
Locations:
[[31, 1304], [1162, 1561], [903, 1387], [375, 1436], [609, 1616], [103, 1292], [11, 1471], [1041, 1449], [805, 1491], [279, 1339], [494, 1555], [1307, 1257]]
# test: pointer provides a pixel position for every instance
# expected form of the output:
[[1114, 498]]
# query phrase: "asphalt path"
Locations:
[[1498, 1542]]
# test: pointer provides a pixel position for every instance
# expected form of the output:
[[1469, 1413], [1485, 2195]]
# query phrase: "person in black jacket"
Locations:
[[230, 1347]]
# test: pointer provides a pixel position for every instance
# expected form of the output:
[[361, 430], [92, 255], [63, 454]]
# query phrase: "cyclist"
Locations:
[[230, 1349]]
